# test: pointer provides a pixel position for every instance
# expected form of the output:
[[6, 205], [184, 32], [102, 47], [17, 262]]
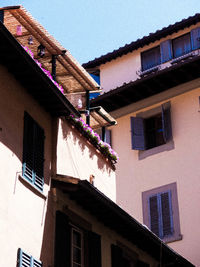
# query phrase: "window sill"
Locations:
[[173, 238], [155, 150], [30, 186]]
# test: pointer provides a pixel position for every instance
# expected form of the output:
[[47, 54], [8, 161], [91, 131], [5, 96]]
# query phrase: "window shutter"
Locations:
[[166, 51], [62, 241], [166, 122], [25, 260], [28, 147], [108, 136], [167, 219], [39, 157], [195, 38], [154, 214], [137, 133], [116, 256], [94, 245]]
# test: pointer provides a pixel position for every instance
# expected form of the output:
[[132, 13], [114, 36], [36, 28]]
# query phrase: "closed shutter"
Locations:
[[154, 214], [108, 136], [116, 256], [137, 133], [166, 51], [62, 241], [39, 157], [195, 38], [28, 148], [25, 260], [167, 218], [94, 249], [33, 152], [2, 16], [166, 122]]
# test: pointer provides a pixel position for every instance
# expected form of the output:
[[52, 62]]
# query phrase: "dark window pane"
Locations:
[[76, 239], [181, 45], [150, 58], [77, 255]]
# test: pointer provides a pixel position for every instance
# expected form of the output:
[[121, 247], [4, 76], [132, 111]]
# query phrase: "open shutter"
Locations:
[[167, 219], [166, 122], [25, 260], [166, 51], [154, 214], [116, 256], [94, 247], [28, 147], [39, 156], [62, 241], [195, 38], [137, 133]]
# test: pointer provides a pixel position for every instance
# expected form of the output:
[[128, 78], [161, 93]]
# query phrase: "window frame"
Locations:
[[174, 215], [78, 230], [142, 55], [33, 151], [179, 38]]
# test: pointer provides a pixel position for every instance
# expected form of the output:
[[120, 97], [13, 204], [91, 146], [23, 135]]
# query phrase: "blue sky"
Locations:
[[91, 28]]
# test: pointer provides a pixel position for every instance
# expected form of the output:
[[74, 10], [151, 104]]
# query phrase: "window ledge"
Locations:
[[148, 71], [173, 238], [183, 57], [33, 188]]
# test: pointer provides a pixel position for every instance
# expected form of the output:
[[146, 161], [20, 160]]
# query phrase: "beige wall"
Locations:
[[76, 157], [22, 210], [124, 69], [180, 165]]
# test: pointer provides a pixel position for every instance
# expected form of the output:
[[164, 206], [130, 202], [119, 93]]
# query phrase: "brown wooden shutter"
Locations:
[[166, 122], [195, 38], [154, 214], [62, 241], [166, 51], [137, 133], [116, 256], [94, 249]]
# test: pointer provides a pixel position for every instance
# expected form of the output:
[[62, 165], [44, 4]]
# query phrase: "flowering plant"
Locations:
[[104, 147], [28, 50]]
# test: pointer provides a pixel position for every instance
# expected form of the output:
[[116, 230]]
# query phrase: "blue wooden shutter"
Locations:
[[94, 247], [195, 38], [62, 241], [116, 256], [25, 260], [166, 122], [167, 218], [166, 51], [39, 156], [154, 214], [137, 133], [108, 136], [28, 148]]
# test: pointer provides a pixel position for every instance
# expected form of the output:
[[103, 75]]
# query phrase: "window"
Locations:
[[160, 212], [181, 45], [170, 49], [150, 131], [77, 247], [105, 135], [25, 260], [33, 152], [72, 242], [150, 58]]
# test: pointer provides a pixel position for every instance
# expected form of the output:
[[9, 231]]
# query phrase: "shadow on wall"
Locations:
[[85, 146]]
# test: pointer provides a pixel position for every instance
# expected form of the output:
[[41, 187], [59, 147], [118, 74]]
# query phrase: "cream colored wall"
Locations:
[[124, 69], [22, 211], [180, 165], [76, 157], [108, 236]]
